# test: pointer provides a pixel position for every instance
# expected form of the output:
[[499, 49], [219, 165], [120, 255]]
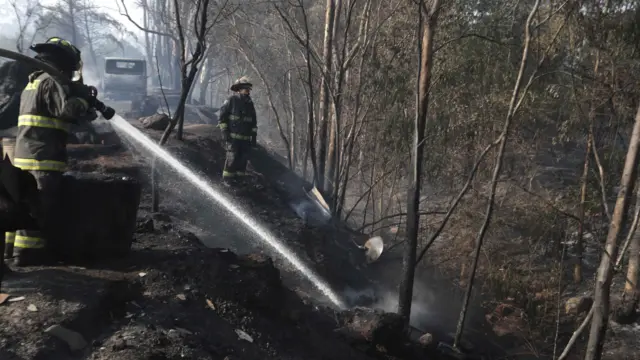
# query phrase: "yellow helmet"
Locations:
[[241, 83]]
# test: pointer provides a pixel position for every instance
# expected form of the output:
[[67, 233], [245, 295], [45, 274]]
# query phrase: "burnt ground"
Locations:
[[174, 297], [183, 292]]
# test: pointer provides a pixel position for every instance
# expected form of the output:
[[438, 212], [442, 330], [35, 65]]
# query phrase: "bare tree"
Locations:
[[605, 270], [27, 14], [427, 28], [516, 99]]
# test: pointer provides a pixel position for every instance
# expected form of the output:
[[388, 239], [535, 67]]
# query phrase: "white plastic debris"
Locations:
[[142, 274], [244, 336], [14, 299], [32, 308], [72, 338]]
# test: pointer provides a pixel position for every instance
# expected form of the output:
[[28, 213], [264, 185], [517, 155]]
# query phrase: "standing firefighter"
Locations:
[[48, 107], [239, 126]]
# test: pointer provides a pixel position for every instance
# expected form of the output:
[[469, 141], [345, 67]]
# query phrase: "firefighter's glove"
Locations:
[[254, 141], [88, 93]]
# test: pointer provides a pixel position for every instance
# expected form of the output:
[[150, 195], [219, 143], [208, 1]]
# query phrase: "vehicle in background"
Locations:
[[125, 79]]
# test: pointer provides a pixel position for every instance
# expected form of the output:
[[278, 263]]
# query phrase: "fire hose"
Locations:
[[106, 111]]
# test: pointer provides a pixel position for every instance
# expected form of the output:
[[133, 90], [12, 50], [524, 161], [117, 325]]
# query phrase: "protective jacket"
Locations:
[[47, 110], [238, 117]]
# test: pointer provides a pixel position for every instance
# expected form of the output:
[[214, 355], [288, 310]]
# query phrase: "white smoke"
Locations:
[[387, 300], [91, 76]]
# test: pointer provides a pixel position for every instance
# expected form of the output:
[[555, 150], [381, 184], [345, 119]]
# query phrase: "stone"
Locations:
[[426, 340], [155, 121], [625, 309], [99, 217], [145, 226], [72, 338], [375, 327], [578, 305], [263, 280], [161, 217]]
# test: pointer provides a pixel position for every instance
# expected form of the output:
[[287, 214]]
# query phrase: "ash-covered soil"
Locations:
[[175, 298]]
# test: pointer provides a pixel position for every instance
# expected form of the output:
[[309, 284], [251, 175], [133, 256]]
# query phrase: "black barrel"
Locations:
[[99, 218]]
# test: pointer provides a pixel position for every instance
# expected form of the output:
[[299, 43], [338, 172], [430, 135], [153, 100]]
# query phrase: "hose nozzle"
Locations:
[[106, 111]]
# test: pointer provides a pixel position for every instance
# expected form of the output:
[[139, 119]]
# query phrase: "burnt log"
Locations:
[[155, 122], [99, 217]]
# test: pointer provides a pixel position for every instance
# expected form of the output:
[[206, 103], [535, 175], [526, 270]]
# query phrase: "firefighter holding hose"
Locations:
[[48, 107], [239, 126]]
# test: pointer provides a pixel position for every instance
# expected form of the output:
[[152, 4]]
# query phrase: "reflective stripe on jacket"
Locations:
[[238, 117], [46, 113]]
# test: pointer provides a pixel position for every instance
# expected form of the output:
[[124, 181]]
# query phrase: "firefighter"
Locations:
[[48, 107], [239, 126]]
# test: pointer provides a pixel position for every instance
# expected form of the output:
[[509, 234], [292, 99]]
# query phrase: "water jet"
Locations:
[[124, 127]]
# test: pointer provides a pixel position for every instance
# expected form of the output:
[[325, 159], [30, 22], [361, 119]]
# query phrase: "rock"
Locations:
[[161, 217], [99, 217], [262, 286], [189, 236], [625, 310], [578, 305], [72, 338], [32, 308], [506, 319], [255, 260], [119, 344], [145, 226], [155, 122], [149, 106], [426, 340], [375, 327]]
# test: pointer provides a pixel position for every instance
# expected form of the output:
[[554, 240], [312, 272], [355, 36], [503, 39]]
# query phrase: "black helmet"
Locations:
[[59, 46]]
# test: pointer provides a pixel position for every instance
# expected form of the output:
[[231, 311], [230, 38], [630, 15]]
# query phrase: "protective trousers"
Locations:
[[31, 247], [237, 158], [8, 146]]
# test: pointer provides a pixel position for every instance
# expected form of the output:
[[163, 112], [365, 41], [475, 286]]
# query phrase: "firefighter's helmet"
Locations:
[[241, 83], [59, 46]]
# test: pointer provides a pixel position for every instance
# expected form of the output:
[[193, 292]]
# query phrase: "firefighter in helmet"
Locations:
[[239, 126], [48, 107]]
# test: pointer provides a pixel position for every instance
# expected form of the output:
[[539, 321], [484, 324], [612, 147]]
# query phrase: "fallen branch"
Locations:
[[603, 189], [422, 213], [576, 334], [457, 200]]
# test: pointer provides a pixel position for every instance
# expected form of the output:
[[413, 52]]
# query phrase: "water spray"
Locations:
[[263, 234], [124, 126]]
